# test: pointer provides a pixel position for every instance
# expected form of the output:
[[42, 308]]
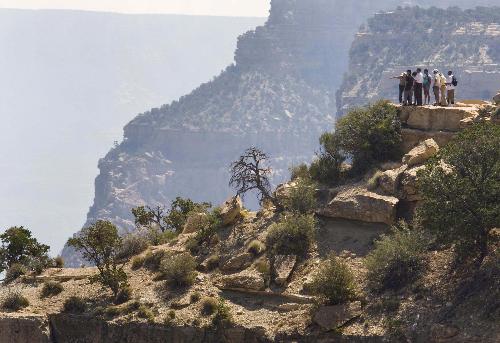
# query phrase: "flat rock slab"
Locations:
[[435, 118], [358, 203], [283, 267]]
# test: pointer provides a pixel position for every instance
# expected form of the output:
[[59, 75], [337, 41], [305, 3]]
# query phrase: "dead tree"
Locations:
[[250, 173]]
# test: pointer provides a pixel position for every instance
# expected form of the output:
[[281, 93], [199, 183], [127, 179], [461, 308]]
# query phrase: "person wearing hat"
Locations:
[[437, 86], [402, 83]]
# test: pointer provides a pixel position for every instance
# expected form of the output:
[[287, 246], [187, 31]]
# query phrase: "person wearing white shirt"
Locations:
[[450, 88], [437, 86], [419, 79]]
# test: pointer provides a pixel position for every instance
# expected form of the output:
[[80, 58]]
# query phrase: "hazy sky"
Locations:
[[258, 8]]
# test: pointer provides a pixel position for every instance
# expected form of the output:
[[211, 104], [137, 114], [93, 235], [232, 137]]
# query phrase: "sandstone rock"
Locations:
[[435, 118], [195, 222], [443, 332], [390, 179], [332, 317], [421, 153], [247, 280], [357, 203], [412, 137], [409, 184], [283, 267], [22, 329], [496, 99], [238, 262], [231, 210]]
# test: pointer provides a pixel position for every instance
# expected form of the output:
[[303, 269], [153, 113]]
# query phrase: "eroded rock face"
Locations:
[[238, 262], [412, 137], [283, 267], [390, 180], [437, 118], [357, 203], [332, 317], [421, 153], [409, 184], [24, 329], [231, 210]]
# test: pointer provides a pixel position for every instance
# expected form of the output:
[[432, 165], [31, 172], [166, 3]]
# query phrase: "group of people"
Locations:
[[412, 85]]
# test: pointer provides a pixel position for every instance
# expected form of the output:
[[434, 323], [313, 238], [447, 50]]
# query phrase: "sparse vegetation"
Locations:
[[209, 306], [373, 182], [300, 171], [461, 188], [75, 304], [397, 259], [58, 262], [152, 260], [256, 247], [100, 243], [124, 295], [213, 262], [131, 245], [145, 312], [14, 301], [292, 235], [15, 271], [19, 247], [51, 288], [138, 262], [222, 316], [301, 198], [178, 270], [334, 282], [327, 167], [195, 297]]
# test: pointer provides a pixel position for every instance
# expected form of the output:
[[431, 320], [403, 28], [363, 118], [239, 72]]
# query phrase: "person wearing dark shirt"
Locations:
[[408, 89]]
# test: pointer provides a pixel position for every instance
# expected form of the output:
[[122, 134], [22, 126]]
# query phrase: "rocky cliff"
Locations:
[[279, 96], [467, 42]]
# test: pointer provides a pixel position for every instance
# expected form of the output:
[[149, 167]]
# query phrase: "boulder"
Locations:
[[195, 222], [245, 280], [390, 179], [412, 137], [496, 99], [237, 263], [443, 332], [435, 118], [409, 184], [421, 153], [231, 210], [357, 203], [283, 267], [333, 317]]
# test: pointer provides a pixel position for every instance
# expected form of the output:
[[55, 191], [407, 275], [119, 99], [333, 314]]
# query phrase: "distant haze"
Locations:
[[257, 8], [69, 83]]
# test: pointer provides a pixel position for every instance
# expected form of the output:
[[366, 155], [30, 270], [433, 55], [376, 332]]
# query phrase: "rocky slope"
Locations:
[[467, 42], [279, 96]]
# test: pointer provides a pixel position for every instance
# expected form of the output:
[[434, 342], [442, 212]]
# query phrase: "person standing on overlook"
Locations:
[[402, 83], [451, 83], [437, 86], [427, 86], [419, 80], [443, 90], [408, 88]]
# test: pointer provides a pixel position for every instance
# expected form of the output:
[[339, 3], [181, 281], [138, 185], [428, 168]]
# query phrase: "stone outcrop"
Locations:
[[23, 329], [195, 222], [238, 262], [421, 153], [283, 267], [246, 280], [332, 317], [231, 210], [358, 203]]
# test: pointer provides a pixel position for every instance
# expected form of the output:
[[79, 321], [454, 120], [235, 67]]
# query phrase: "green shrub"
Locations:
[[51, 288], [327, 168], [132, 245], [195, 297], [171, 314], [178, 270], [299, 172], [256, 247], [146, 313], [373, 182], [58, 262], [292, 235], [334, 282], [75, 304], [15, 271], [209, 306], [138, 262], [222, 316], [370, 135], [124, 295], [15, 301], [213, 262], [396, 260], [460, 196], [152, 260], [301, 198]]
